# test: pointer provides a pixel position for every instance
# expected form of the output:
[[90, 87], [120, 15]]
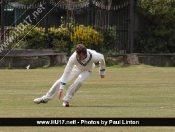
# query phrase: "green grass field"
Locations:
[[133, 91]]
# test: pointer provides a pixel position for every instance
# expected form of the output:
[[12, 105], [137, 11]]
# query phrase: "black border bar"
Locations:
[[87, 121]]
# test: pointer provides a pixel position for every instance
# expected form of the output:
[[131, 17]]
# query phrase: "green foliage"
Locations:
[[159, 11], [59, 45], [159, 36], [16, 45], [155, 40], [58, 39], [87, 36], [36, 38], [110, 42]]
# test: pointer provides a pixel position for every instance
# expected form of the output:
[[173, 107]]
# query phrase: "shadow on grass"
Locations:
[[120, 106], [99, 106]]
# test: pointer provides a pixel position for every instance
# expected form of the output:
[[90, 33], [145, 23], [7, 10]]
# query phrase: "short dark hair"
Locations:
[[81, 49]]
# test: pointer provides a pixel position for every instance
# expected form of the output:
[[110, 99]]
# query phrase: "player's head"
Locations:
[[81, 51]]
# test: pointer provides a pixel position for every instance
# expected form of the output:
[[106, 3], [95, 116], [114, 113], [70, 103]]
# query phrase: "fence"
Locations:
[[96, 14]]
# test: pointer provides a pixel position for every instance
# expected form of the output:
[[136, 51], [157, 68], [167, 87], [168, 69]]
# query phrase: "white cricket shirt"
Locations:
[[87, 64]]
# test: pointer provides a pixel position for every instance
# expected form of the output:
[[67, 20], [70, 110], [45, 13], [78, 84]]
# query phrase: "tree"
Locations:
[[159, 36], [159, 12]]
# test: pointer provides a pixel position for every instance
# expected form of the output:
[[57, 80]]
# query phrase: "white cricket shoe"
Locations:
[[39, 100], [65, 104]]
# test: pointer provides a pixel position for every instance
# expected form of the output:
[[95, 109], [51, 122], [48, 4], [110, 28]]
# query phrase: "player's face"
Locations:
[[81, 56]]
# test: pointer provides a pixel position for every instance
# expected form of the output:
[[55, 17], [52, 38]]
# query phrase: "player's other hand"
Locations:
[[102, 76], [60, 93]]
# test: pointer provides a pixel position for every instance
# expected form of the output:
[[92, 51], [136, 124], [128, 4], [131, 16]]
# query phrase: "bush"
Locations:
[[110, 41], [36, 38], [87, 36], [154, 40], [159, 35], [58, 39], [61, 39]]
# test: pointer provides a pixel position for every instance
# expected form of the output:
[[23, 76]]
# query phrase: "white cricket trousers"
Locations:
[[82, 76]]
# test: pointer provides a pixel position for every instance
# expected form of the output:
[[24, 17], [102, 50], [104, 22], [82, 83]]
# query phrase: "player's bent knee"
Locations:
[[79, 83]]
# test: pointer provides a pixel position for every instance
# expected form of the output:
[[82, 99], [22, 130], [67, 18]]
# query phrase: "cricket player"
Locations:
[[81, 63]]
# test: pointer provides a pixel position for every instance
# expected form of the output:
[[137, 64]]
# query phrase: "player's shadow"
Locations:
[[112, 106], [100, 106]]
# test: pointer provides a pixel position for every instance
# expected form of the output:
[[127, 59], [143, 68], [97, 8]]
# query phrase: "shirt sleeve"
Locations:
[[100, 58], [67, 71], [102, 65]]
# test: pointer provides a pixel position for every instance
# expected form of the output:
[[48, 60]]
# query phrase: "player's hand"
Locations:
[[60, 93], [102, 76]]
